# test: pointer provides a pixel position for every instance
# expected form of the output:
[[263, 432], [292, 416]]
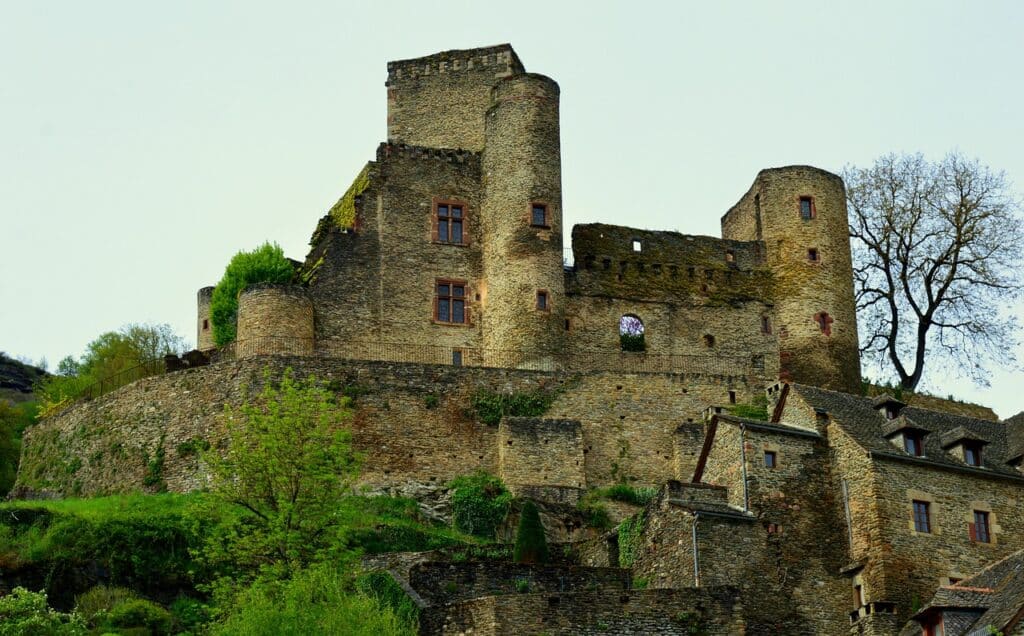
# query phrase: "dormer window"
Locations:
[[972, 454], [913, 443], [888, 406]]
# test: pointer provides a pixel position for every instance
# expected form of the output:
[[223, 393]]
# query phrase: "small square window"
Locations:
[[542, 300], [637, 246], [539, 215], [972, 454], [922, 516], [812, 255], [807, 211], [770, 459], [730, 256]]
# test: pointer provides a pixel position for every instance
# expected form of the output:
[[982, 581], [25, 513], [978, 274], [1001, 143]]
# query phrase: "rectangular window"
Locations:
[[539, 215], [451, 302], [858, 596], [206, 324], [972, 455], [806, 208], [766, 325], [980, 530], [457, 358], [913, 444], [812, 254], [542, 300], [922, 517], [770, 459], [450, 219]]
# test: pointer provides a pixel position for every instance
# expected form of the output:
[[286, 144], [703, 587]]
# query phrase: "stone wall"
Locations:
[[416, 421], [440, 100], [274, 318], [440, 583], [540, 452], [708, 611]]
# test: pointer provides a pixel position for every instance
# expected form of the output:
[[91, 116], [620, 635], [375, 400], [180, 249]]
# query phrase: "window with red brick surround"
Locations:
[[807, 209], [449, 222], [450, 302], [539, 215]]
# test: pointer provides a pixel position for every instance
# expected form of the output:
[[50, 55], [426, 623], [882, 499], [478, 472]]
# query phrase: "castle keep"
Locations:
[[441, 276]]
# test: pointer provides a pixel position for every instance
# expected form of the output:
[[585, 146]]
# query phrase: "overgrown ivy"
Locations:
[[630, 531], [491, 407], [480, 503]]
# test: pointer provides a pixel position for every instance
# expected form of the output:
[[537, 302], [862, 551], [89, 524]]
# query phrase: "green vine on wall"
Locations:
[[154, 477], [630, 531], [491, 407]]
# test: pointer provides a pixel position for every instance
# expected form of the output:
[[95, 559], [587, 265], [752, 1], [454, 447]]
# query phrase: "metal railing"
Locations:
[[115, 381], [569, 360]]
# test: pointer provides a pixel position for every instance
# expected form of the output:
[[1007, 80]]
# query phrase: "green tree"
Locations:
[[288, 462], [10, 447], [937, 252], [113, 359], [25, 613], [479, 503], [531, 546], [265, 264]]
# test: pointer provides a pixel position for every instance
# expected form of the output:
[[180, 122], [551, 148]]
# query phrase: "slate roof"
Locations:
[[1015, 427], [997, 591], [958, 434], [857, 416]]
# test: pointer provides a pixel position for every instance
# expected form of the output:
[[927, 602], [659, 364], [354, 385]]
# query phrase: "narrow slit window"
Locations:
[[807, 211], [812, 255], [542, 300], [539, 215], [981, 531]]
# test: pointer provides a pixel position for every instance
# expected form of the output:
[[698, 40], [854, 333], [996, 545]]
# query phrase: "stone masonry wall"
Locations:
[[416, 421], [204, 328], [274, 319], [440, 100], [710, 611], [440, 583], [541, 452]]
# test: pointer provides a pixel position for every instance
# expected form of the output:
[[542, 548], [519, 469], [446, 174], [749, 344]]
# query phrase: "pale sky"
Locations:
[[142, 144]]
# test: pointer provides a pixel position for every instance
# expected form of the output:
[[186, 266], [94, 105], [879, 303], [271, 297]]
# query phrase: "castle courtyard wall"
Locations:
[[415, 422]]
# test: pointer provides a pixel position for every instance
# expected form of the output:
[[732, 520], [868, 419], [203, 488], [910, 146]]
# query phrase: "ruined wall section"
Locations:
[[684, 289], [439, 100], [813, 274], [535, 451], [522, 167], [342, 270]]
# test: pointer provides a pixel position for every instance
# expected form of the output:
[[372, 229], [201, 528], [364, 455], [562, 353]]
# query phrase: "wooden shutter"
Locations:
[[972, 530]]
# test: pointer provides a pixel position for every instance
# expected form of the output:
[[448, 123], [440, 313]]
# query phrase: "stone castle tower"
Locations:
[[448, 249]]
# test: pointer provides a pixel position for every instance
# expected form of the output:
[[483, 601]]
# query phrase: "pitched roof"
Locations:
[[997, 592], [1015, 433], [858, 417]]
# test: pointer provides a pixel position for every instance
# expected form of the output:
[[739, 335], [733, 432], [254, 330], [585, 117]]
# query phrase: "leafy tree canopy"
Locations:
[[937, 253], [265, 264], [288, 462]]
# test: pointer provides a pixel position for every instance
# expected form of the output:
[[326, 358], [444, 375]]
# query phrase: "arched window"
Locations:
[[824, 322], [631, 333]]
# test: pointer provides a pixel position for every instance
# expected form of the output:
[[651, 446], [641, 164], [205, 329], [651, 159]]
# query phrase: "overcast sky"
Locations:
[[142, 144]]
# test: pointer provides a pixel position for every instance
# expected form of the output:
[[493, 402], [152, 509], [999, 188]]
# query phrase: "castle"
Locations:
[[440, 275]]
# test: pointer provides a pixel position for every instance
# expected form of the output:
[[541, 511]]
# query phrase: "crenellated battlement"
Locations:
[[499, 58]]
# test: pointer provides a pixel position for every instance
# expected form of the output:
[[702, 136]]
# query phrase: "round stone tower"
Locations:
[[274, 319], [204, 330], [521, 212], [800, 214]]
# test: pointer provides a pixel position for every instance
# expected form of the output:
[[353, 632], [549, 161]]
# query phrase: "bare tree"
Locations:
[[937, 262]]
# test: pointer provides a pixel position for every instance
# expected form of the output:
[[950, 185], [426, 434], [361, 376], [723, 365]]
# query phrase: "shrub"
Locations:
[[316, 601], [491, 407], [595, 515], [188, 614], [265, 264], [139, 612], [628, 494], [25, 613], [479, 503], [98, 601], [382, 587], [756, 410], [531, 546]]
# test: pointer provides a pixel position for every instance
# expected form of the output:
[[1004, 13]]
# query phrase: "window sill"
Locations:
[[541, 227], [451, 324], [450, 243]]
